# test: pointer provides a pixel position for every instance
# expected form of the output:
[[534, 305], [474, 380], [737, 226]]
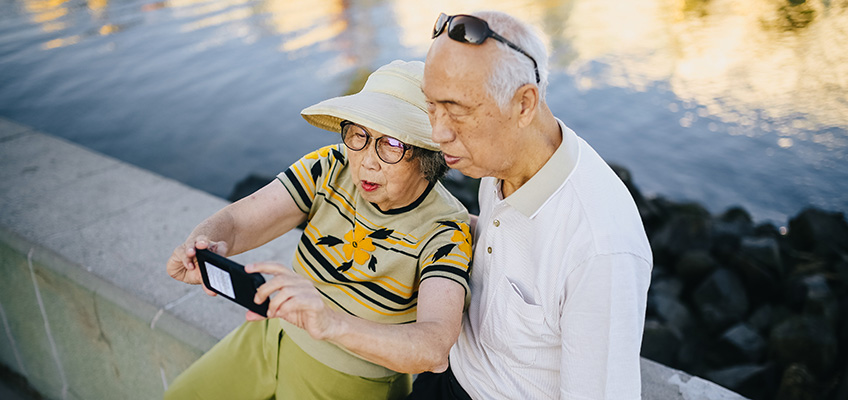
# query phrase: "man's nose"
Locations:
[[442, 132]]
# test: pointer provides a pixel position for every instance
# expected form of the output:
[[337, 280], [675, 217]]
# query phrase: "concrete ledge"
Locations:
[[87, 309]]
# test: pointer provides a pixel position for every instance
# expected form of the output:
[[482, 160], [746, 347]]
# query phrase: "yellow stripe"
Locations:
[[305, 182], [343, 289], [381, 282]]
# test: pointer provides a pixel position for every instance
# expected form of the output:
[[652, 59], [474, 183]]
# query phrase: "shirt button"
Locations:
[[489, 250], [497, 223]]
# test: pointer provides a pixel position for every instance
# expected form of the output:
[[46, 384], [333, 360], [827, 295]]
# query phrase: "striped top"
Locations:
[[368, 262]]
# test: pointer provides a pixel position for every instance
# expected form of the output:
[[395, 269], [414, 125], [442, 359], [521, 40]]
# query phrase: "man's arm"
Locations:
[[602, 321], [246, 224], [412, 348]]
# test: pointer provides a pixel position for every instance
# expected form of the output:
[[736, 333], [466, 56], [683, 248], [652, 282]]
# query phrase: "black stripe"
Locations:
[[335, 302], [300, 191], [343, 280], [342, 212], [462, 273], [410, 207]]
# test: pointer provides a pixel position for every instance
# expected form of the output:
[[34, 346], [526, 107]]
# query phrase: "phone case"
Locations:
[[229, 280]]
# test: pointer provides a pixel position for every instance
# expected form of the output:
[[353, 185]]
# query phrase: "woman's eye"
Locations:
[[394, 143]]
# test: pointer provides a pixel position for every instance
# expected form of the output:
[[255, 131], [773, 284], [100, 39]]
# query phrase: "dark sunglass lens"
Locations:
[[440, 25], [468, 30]]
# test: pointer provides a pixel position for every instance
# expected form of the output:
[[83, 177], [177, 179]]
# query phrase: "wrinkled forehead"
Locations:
[[454, 69]]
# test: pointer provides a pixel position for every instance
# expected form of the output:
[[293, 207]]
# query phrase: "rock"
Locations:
[[248, 185], [695, 265], [811, 295], [759, 263], [721, 300], [753, 381], [672, 312], [797, 383], [688, 227], [734, 222], [660, 342], [741, 344], [819, 231], [820, 300], [807, 340], [761, 319], [666, 286]]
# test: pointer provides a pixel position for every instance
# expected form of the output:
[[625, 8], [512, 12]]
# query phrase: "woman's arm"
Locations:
[[246, 224], [412, 348]]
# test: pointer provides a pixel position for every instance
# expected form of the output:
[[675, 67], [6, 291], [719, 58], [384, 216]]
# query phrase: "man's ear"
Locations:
[[526, 101]]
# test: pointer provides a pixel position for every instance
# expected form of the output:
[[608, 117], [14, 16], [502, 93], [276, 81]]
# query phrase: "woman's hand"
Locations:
[[295, 300], [182, 265]]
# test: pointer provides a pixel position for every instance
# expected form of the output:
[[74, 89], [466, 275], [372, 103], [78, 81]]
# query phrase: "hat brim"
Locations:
[[376, 111]]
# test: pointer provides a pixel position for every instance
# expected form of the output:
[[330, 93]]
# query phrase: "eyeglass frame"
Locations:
[[368, 137], [487, 33]]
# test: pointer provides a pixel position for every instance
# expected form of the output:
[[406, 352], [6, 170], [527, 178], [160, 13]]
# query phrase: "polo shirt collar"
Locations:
[[531, 196]]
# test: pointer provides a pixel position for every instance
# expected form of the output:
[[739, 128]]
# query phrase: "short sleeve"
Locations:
[[303, 178], [448, 255]]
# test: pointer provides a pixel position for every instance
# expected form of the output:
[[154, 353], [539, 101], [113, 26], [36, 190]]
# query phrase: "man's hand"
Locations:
[[296, 301], [182, 265]]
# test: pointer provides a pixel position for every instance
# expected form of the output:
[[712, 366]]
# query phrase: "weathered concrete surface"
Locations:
[[86, 306], [87, 310]]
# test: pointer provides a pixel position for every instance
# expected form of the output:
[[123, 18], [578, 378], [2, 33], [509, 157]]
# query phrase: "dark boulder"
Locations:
[[660, 342], [687, 227], [672, 312], [798, 383], [721, 300], [694, 265], [807, 340], [750, 380], [741, 344], [819, 231], [759, 263]]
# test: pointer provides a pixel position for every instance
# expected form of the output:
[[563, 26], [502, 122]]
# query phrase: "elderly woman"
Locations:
[[379, 278]]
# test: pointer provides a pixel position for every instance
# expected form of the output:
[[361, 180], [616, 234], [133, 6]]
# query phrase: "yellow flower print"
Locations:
[[358, 245], [320, 153], [463, 238]]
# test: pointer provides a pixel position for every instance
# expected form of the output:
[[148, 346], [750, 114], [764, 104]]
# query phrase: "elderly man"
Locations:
[[561, 261]]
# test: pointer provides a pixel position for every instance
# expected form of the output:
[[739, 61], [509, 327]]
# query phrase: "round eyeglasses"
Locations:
[[389, 149]]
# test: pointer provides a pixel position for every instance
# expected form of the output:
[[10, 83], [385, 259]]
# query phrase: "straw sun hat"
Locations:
[[391, 103]]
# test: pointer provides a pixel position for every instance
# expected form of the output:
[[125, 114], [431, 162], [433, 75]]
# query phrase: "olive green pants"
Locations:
[[258, 361]]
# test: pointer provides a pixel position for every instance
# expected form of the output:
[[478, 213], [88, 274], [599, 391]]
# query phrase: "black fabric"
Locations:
[[433, 386]]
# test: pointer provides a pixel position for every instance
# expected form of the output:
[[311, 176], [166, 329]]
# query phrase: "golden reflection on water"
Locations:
[[757, 66], [304, 24], [744, 62]]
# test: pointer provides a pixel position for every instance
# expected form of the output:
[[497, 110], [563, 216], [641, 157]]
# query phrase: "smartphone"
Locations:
[[229, 279]]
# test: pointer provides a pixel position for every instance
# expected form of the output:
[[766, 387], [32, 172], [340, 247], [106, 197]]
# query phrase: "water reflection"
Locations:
[[682, 91], [764, 66]]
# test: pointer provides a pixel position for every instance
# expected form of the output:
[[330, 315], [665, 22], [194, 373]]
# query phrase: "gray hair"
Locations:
[[514, 69], [431, 163]]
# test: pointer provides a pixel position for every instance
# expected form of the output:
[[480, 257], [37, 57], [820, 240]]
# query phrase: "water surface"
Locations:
[[721, 102]]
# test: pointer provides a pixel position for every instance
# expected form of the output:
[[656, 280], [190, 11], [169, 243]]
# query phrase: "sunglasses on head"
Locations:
[[472, 30]]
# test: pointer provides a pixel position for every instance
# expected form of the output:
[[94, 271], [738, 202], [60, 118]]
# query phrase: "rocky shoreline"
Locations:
[[758, 309]]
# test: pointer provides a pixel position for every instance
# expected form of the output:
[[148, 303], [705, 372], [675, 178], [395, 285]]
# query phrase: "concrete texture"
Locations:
[[86, 306]]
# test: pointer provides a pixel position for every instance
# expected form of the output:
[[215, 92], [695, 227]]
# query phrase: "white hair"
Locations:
[[514, 69]]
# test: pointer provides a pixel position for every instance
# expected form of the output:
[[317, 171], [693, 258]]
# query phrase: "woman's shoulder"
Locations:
[[442, 206]]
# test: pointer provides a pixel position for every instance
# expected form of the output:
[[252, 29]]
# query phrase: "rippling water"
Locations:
[[722, 102]]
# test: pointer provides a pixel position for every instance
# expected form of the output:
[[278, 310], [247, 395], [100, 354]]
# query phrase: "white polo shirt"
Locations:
[[559, 285]]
